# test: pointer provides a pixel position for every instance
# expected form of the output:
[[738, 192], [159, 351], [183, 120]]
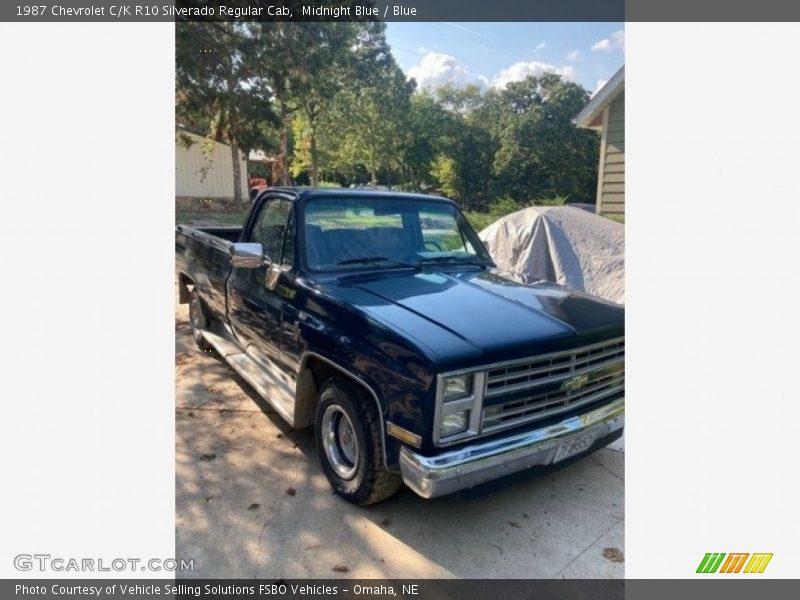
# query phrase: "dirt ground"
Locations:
[[251, 501]]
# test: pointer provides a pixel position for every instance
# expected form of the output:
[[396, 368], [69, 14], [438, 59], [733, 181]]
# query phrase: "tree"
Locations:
[[541, 153], [330, 95], [367, 119], [468, 146], [217, 91], [426, 128], [318, 70], [277, 49], [471, 148]]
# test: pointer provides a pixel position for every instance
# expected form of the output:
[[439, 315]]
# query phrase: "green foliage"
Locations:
[[426, 126], [614, 217], [507, 205], [479, 220], [504, 206], [364, 126], [301, 134], [220, 93], [551, 201], [497, 209], [541, 153], [445, 171], [328, 100], [259, 169]]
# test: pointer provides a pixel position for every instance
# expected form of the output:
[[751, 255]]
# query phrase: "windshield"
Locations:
[[348, 233]]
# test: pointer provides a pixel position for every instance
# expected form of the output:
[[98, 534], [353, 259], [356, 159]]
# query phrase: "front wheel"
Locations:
[[350, 444]]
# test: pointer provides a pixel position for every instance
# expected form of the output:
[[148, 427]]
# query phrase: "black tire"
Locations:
[[369, 481], [198, 321]]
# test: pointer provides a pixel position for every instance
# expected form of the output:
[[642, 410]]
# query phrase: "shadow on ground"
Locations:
[[251, 501]]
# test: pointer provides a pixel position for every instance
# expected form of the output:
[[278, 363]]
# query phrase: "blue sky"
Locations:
[[492, 54]]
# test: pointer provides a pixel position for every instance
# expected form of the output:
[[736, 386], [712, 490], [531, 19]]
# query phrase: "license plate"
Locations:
[[574, 446]]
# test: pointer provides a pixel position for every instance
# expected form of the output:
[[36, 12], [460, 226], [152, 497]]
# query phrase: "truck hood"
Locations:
[[468, 318]]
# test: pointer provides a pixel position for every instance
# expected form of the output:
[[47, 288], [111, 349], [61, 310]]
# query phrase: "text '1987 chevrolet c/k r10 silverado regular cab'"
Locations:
[[379, 319]]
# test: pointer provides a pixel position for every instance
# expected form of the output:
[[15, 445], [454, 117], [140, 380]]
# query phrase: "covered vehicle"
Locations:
[[562, 244]]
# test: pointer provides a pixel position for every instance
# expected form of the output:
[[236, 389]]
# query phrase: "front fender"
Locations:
[[398, 378]]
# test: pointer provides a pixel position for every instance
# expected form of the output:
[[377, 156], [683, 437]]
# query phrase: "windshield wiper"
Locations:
[[368, 260], [452, 259]]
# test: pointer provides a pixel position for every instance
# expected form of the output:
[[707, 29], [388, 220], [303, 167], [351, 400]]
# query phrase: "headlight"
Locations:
[[454, 423], [458, 386], [459, 401]]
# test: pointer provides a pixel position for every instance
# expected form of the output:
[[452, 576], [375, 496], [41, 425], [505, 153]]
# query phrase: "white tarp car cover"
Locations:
[[567, 245]]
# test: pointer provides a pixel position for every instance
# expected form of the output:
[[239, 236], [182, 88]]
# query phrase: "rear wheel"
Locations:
[[199, 322], [350, 444]]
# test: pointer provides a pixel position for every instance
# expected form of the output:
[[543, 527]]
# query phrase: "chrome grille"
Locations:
[[599, 369]]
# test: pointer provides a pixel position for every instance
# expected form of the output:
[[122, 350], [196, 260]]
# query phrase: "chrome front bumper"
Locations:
[[431, 476]]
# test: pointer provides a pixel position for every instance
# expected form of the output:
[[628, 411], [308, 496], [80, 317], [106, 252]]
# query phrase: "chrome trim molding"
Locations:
[[271, 387], [598, 360], [508, 363], [356, 378], [432, 476]]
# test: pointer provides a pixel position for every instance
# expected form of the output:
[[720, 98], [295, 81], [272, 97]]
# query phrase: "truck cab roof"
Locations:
[[303, 193]]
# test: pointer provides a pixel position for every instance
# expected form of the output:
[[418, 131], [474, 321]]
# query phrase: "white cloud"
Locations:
[[422, 50], [604, 45], [541, 46], [436, 69], [599, 86], [616, 41], [573, 56], [520, 70]]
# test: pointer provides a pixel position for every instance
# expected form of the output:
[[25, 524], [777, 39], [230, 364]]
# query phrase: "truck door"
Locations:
[[254, 300]]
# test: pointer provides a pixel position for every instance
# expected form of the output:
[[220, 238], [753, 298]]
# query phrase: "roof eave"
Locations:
[[586, 119]]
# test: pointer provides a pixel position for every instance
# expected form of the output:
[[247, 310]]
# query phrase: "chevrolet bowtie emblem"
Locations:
[[573, 384]]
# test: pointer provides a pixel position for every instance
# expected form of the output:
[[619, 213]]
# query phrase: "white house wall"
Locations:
[[217, 181]]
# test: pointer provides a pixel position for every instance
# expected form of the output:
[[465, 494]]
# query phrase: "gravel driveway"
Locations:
[[251, 501]]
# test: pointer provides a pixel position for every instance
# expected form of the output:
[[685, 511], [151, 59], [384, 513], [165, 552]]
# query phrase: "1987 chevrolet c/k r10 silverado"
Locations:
[[379, 319]]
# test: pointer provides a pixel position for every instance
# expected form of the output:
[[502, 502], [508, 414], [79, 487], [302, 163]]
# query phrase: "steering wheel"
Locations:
[[430, 243]]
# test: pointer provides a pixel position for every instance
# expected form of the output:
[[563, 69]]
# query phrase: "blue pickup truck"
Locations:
[[379, 320]]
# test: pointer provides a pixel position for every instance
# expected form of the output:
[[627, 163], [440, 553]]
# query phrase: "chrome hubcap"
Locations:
[[339, 441]]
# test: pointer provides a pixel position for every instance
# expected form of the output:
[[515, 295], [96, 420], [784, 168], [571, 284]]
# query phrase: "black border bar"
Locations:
[[401, 10], [730, 588]]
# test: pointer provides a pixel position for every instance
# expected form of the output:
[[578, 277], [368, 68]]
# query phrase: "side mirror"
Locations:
[[247, 255]]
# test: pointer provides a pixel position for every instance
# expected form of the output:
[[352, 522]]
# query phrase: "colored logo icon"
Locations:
[[737, 562]]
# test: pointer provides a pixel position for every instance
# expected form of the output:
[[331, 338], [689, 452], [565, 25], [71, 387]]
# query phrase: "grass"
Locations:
[[480, 220], [614, 217], [209, 217]]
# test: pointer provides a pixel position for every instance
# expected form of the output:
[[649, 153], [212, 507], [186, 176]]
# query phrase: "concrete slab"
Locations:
[[251, 501]]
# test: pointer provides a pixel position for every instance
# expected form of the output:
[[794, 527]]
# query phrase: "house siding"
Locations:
[[611, 175], [201, 176]]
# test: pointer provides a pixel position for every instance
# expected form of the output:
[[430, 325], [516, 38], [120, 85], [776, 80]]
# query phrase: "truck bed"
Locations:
[[203, 254], [228, 234]]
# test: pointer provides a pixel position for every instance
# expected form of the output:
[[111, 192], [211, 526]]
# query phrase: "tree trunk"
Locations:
[[283, 157], [313, 153], [237, 173]]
